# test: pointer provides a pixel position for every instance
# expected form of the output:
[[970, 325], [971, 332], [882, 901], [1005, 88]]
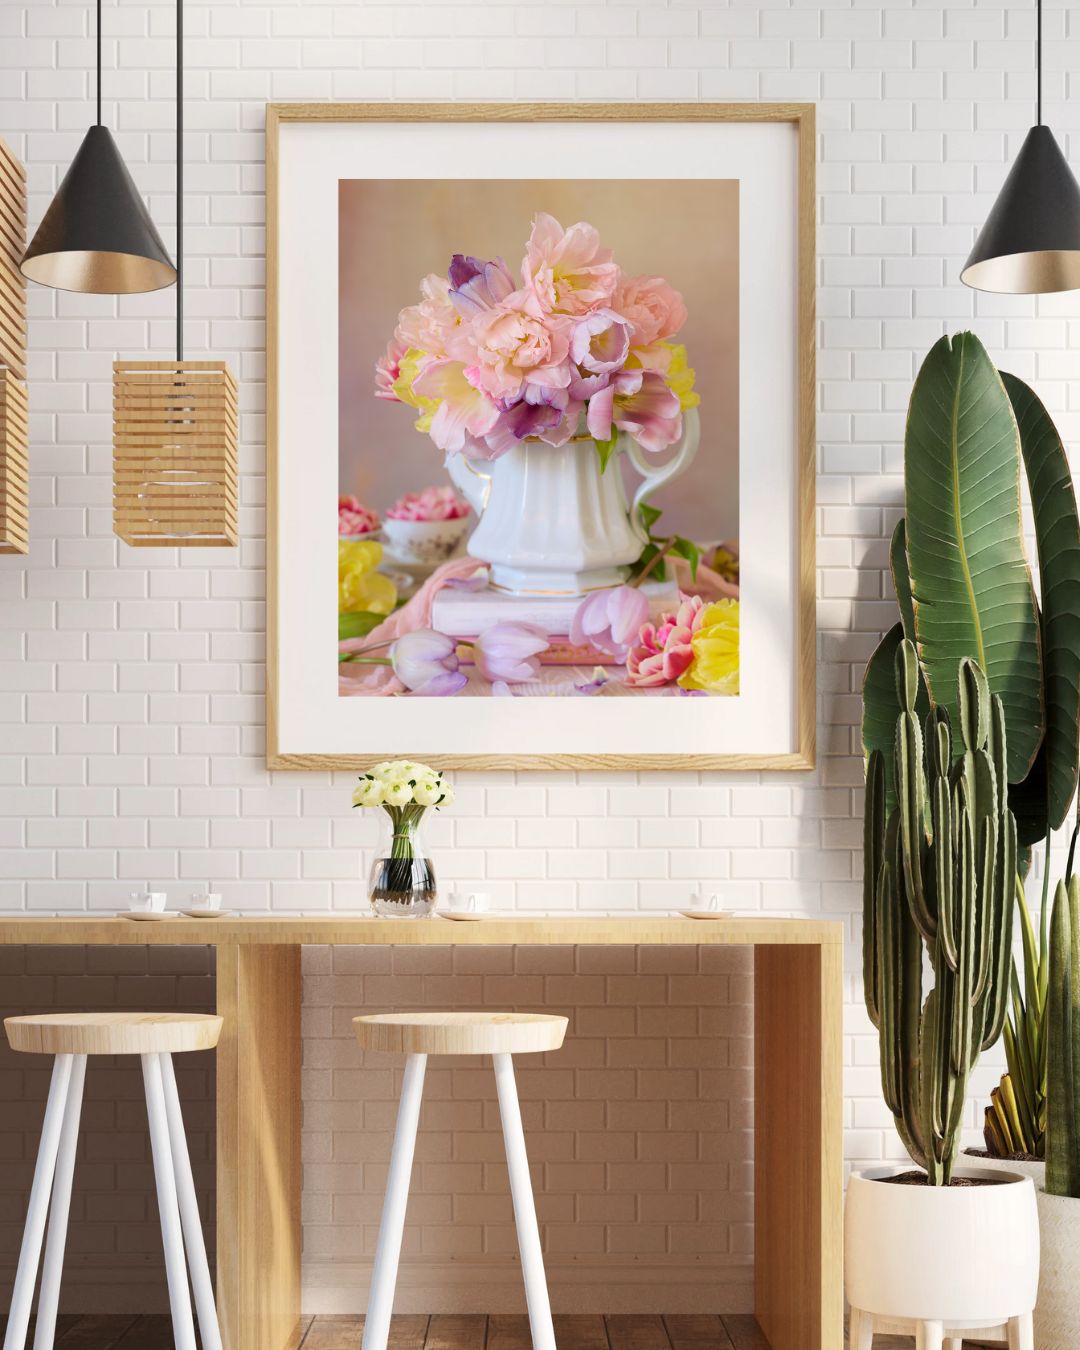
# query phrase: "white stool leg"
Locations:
[[392, 1226], [1021, 1333], [860, 1330], [517, 1164], [53, 1265], [22, 1295], [189, 1212], [171, 1233], [929, 1335]]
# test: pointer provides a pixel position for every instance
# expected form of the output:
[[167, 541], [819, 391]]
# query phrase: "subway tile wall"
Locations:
[[131, 701]]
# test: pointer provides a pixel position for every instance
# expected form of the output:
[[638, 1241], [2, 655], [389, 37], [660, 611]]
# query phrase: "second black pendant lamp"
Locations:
[[97, 236], [1030, 244]]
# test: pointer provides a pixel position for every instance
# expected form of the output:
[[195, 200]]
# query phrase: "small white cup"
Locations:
[[142, 901], [206, 900], [709, 903], [476, 902]]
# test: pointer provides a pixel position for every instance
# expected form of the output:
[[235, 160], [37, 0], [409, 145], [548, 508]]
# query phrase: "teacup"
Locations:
[[709, 903], [474, 903], [206, 900], [143, 901]]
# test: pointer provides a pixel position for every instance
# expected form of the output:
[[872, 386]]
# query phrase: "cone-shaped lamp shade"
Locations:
[[97, 235], [1030, 244]]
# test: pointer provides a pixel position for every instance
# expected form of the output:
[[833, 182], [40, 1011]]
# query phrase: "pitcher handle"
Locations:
[[654, 476], [473, 484]]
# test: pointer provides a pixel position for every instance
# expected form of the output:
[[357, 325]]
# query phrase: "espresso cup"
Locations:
[[709, 903], [208, 900], [474, 903], [142, 901]]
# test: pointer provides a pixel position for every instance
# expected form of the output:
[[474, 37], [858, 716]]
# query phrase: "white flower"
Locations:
[[447, 795], [369, 792], [427, 792], [399, 793]]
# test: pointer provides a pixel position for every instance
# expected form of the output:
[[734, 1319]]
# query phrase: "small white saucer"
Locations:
[[465, 915], [706, 913], [206, 913], [145, 915]]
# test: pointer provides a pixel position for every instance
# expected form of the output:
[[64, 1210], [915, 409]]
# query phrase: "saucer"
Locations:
[[706, 913], [145, 915], [206, 913], [465, 915]]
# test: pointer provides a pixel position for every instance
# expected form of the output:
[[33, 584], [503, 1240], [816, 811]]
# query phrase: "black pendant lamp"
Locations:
[[1030, 244], [97, 236]]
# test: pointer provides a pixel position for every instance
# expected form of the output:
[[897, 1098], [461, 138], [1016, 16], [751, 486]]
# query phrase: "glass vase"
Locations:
[[401, 884]]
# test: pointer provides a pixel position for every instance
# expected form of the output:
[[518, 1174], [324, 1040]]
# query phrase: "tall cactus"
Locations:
[[1063, 1048], [940, 871]]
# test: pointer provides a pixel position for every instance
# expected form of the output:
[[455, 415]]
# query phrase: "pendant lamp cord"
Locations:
[[179, 179], [99, 62], [1038, 62]]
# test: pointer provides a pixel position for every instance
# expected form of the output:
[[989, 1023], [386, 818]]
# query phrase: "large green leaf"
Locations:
[[970, 582], [881, 707], [901, 580], [1057, 532]]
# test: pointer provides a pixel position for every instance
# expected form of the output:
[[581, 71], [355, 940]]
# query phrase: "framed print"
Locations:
[[540, 434]]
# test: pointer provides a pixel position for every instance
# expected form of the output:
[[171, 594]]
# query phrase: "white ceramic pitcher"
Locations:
[[551, 523]]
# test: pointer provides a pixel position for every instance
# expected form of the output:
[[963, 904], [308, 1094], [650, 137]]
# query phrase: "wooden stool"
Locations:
[[154, 1037], [417, 1035]]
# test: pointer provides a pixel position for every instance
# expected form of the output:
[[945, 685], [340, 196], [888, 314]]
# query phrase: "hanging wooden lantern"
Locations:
[[14, 410], [174, 453]]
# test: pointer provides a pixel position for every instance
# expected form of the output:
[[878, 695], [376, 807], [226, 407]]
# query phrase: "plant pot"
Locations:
[[953, 1257], [1035, 1168], [1057, 1312]]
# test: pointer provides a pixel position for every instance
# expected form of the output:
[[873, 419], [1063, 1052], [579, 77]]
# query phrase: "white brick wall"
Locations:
[[131, 703]]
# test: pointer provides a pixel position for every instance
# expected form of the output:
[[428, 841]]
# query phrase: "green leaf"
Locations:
[[648, 553], [881, 707], [606, 449], [649, 516], [1057, 533], [358, 623], [971, 587], [687, 549], [901, 580]]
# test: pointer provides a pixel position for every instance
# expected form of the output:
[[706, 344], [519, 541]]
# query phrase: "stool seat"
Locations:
[[460, 1033], [112, 1033]]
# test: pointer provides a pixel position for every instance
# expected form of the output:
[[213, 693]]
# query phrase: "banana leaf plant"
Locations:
[[964, 586]]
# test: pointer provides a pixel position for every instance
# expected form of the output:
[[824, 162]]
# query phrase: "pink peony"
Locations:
[[354, 518], [433, 503], [663, 651], [567, 270], [512, 349], [387, 369], [652, 306], [428, 326]]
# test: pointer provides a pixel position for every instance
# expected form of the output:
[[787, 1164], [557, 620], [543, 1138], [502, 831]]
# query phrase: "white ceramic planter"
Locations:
[[941, 1260], [1057, 1310], [551, 523]]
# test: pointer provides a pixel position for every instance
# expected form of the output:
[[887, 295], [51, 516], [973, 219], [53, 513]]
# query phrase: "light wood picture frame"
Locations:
[[310, 150]]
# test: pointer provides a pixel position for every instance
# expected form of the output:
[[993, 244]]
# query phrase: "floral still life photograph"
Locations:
[[401, 882], [538, 459]]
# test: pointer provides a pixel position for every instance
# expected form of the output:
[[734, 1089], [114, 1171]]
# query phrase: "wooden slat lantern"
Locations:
[[14, 412], [175, 454]]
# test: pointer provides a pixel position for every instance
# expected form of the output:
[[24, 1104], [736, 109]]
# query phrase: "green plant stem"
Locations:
[[654, 562]]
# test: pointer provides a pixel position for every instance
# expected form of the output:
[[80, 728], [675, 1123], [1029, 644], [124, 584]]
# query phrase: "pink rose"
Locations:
[[663, 651], [354, 518], [655, 308]]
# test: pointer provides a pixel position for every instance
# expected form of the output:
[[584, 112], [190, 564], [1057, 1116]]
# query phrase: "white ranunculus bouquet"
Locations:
[[402, 877]]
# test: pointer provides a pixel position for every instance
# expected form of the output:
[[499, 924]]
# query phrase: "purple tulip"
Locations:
[[427, 663], [508, 651], [610, 620], [476, 285]]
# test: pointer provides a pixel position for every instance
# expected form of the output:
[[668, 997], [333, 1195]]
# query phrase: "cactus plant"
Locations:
[[1063, 1044], [940, 871]]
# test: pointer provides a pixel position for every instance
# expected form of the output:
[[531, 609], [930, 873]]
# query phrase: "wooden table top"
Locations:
[[363, 930]]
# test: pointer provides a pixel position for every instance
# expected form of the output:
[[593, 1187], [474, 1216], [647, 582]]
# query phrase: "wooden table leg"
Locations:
[[798, 1147], [258, 1146]]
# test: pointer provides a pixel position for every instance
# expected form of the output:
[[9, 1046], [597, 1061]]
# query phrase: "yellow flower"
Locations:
[[715, 645], [680, 377], [403, 388], [360, 586]]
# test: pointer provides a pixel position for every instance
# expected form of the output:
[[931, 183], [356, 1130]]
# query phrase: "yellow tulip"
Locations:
[[403, 388], [680, 377], [715, 644], [360, 586]]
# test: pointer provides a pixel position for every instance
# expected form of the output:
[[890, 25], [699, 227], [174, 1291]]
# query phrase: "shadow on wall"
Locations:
[[113, 1260]]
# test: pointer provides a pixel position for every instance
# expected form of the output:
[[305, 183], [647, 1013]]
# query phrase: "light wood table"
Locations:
[[798, 1185]]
